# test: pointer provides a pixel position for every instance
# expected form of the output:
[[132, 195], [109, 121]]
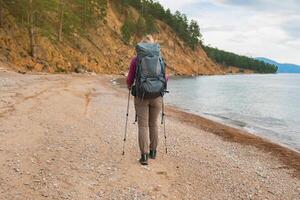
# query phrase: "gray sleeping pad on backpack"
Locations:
[[150, 71]]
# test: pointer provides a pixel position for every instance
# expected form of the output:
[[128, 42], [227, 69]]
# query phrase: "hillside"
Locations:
[[226, 58], [98, 47], [282, 67]]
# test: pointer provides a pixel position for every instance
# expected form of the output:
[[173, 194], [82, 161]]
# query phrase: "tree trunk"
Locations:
[[31, 29], [61, 18], [1, 13], [85, 13]]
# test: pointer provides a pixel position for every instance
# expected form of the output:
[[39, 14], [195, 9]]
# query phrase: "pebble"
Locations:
[[146, 168], [17, 169]]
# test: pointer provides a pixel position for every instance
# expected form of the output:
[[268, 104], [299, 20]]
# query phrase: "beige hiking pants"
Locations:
[[148, 111]]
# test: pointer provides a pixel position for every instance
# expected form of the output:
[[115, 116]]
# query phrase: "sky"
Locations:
[[255, 28]]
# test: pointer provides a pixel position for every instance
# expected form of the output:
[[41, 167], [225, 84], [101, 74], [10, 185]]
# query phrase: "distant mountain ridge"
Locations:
[[282, 67]]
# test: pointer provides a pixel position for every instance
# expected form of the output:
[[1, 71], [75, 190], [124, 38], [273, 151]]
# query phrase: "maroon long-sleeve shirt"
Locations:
[[131, 73]]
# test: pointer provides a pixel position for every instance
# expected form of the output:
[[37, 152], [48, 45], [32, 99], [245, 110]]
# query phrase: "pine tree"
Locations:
[[168, 18], [1, 13], [150, 24], [31, 29], [178, 22], [127, 30], [61, 18], [141, 28], [195, 35]]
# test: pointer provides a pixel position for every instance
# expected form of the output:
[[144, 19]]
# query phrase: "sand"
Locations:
[[61, 137]]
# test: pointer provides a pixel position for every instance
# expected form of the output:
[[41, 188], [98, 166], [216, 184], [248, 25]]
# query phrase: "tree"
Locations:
[[31, 14], [150, 24], [195, 35], [91, 10], [61, 18], [85, 12], [127, 30], [151, 10], [242, 62], [168, 18], [141, 28], [1, 13], [31, 28]]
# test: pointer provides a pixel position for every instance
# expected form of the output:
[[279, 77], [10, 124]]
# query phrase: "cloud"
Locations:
[[292, 27], [252, 27], [176, 5], [270, 5], [218, 28]]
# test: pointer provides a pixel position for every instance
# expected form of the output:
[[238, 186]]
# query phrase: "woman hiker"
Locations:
[[148, 104]]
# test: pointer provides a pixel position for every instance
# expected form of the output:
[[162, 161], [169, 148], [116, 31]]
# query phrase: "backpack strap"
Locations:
[[162, 64], [137, 77]]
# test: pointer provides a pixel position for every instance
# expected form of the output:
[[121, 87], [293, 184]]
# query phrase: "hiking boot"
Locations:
[[152, 154], [144, 159]]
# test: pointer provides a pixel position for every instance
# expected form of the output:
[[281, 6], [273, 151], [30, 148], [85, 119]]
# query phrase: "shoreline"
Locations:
[[234, 126], [288, 156], [62, 136]]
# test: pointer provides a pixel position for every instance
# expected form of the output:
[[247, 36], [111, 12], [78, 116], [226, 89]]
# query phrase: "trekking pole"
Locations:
[[136, 119], [163, 121], [126, 123]]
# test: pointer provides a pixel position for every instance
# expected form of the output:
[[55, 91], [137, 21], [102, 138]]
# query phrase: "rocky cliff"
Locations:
[[100, 49]]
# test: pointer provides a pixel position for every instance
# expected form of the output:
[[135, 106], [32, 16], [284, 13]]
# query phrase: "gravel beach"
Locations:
[[61, 137]]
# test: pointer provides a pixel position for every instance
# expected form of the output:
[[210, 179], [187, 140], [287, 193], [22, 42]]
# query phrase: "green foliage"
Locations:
[[78, 14], [145, 25], [150, 24], [72, 22], [151, 10], [20, 8], [89, 10], [195, 34], [121, 5], [243, 62], [128, 29], [141, 28]]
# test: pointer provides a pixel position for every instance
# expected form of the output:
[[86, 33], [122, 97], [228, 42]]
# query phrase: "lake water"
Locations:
[[266, 105]]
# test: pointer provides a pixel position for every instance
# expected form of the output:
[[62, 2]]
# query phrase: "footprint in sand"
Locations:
[[163, 173]]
